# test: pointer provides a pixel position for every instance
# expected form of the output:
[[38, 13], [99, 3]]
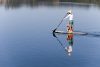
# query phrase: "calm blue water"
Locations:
[[26, 36]]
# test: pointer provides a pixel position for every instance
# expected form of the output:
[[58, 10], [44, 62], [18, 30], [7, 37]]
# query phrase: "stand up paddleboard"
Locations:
[[75, 32]]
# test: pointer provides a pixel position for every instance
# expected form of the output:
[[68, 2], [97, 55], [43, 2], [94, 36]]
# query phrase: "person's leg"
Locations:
[[71, 25], [70, 29], [68, 26]]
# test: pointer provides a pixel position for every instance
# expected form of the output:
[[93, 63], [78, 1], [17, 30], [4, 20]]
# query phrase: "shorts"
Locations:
[[71, 22]]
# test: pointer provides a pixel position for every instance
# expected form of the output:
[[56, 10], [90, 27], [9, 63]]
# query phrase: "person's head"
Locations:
[[69, 12]]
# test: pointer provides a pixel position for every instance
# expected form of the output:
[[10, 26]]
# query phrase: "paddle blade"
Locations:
[[54, 30], [54, 35]]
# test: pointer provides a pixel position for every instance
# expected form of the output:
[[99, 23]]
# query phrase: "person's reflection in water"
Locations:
[[70, 43]]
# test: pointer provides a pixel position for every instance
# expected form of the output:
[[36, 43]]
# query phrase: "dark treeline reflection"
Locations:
[[32, 3]]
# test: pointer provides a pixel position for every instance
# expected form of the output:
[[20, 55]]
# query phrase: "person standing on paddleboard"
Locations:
[[70, 24]]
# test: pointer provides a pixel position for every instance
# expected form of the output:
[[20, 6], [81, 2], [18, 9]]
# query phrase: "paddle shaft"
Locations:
[[60, 22]]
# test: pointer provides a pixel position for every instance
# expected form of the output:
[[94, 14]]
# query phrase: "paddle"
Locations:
[[59, 24], [54, 35]]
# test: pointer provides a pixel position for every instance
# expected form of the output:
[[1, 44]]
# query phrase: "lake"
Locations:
[[26, 38]]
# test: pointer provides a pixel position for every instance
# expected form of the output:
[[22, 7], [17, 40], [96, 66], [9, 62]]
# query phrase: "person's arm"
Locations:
[[66, 17]]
